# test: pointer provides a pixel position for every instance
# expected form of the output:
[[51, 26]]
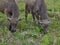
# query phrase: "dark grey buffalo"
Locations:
[[10, 9], [38, 10]]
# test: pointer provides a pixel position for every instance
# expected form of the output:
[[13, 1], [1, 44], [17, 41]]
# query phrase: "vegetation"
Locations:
[[28, 34]]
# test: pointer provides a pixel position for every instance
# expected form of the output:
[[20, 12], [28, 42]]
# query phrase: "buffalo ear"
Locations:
[[51, 19], [9, 19], [47, 21], [20, 19]]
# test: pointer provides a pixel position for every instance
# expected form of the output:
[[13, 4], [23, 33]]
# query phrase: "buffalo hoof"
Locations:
[[12, 31], [44, 31], [26, 22]]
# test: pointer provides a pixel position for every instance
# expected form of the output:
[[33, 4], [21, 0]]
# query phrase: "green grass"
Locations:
[[28, 34]]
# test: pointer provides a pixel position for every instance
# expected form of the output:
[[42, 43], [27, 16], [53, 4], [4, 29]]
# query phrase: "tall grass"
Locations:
[[28, 34]]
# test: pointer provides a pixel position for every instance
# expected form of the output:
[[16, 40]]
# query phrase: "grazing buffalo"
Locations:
[[10, 9], [38, 10]]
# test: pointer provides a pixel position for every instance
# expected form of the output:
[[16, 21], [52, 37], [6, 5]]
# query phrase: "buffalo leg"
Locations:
[[37, 16], [26, 15], [33, 15], [7, 13], [26, 12]]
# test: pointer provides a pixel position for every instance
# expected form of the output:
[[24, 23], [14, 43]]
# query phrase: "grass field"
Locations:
[[28, 34]]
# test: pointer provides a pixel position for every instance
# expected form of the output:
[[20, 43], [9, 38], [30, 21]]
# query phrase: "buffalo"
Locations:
[[10, 9], [39, 12]]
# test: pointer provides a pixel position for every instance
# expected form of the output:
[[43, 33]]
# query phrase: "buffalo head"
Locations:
[[13, 23]]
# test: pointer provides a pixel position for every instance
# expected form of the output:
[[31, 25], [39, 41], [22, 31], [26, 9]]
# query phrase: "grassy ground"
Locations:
[[28, 34]]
